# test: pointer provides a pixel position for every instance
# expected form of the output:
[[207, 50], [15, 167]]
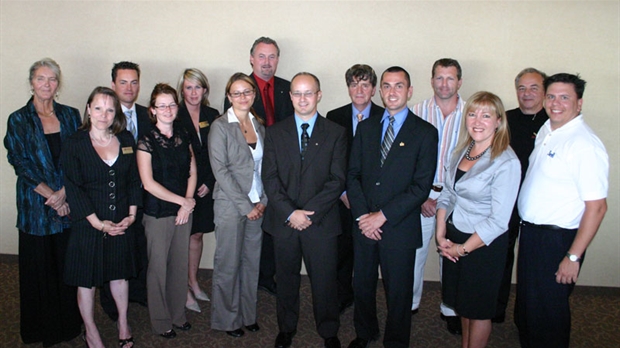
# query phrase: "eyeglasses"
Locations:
[[305, 94], [163, 107], [247, 93]]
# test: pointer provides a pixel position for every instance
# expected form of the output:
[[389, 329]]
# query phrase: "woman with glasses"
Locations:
[[34, 137], [168, 172], [236, 152], [103, 188], [196, 116]]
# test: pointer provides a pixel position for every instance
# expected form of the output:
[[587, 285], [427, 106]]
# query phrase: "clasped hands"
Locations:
[[57, 202], [300, 219], [447, 249], [187, 207], [257, 212], [370, 224]]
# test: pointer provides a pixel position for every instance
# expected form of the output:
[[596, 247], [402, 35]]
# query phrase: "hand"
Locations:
[[300, 219], [447, 249], [256, 213], [57, 199], [182, 216], [370, 224], [203, 190], [568, 271], [345, 200], [188, 204], [63, 210], [113, 229], [429, 208], [127, 221]]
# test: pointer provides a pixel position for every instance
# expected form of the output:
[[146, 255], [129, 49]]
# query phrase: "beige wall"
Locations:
[[492, 40]]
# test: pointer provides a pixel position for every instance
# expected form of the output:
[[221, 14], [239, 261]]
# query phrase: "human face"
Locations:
[[241, 103], [264, 61], [445, 83], [395, 91], [481, 124], [530, 93], [193, 92], [101, 111], [127, 86], [562, 104], [44, 83], [361, 91], [305, 96], [165, 109]]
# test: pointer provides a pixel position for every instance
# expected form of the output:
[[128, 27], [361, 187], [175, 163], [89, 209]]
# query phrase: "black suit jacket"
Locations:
[[314, 185], [144, 122], [398, 188], [343, 116], [200, 146], [282, 104]]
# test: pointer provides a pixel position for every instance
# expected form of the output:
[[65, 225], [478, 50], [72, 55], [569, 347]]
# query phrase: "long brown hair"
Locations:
[[119, 123]]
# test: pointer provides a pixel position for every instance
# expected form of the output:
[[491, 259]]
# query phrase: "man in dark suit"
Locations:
[[391, 170], [273, 103], [361, 82], [126, 84], [304, 169]]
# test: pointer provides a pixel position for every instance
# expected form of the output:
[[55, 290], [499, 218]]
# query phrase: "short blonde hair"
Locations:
[[197, 76]]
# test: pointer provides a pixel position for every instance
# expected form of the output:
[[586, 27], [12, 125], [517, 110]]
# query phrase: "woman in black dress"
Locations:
[[34, 134], [103, 188], [196, 117]]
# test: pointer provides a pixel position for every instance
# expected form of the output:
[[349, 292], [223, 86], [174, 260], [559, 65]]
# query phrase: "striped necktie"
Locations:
[[388, 139]]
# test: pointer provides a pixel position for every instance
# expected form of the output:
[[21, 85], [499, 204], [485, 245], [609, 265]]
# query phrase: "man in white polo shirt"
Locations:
[[561, 204]]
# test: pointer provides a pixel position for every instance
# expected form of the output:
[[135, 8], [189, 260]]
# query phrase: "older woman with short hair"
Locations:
[[482, 181], [34, 137]]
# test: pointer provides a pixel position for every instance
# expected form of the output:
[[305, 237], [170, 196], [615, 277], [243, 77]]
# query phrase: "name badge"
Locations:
[[203, 124], [127, 150]]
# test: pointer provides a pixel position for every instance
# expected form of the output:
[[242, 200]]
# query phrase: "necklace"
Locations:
[[471, 146], [100, 143], [44, 114]]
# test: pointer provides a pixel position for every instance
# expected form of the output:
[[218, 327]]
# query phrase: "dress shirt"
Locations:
[[365, 114], [260, 83], [310, 122], [448, 128], [134, 116], [399, 119]]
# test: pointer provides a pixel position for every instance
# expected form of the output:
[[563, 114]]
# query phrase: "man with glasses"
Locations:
[[273, 104], [362, 84], [304, 165]]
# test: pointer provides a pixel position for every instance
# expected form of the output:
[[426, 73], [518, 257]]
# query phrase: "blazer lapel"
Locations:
[[314, 144], [290, 142], [401, 141]]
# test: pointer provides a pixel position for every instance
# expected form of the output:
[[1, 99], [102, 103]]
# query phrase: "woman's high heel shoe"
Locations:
[[201, 295]]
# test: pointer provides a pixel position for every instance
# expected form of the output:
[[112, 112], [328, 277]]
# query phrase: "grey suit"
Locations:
[[238, 239]]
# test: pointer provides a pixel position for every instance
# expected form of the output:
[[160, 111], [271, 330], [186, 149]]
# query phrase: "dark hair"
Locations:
[[575, 80], [120, 122], [396, 69], [361, 72], [529, 71], [303, 73], [159, 89], [124, 66], [446, 63], [265, 40]]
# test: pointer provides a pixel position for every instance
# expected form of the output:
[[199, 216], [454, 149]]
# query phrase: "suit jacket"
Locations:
[[232, 163], [282, 104], [344, 117], [401, 185], [314, 185], [200, 145], [482, 200], [144, 122]]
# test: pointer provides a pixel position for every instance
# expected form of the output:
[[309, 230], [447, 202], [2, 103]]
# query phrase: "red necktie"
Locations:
[[269, 112]]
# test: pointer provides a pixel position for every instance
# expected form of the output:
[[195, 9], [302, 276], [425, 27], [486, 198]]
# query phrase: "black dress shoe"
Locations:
[[268, 288], [415, 311], [235, 333], [284, 339], [169, 334], [344, 305], [453, 324], [332, 342], [253, 328], [186, 326], [359, 343]]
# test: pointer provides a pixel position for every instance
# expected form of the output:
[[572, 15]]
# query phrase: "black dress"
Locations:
[[93, 186], [203, 211]]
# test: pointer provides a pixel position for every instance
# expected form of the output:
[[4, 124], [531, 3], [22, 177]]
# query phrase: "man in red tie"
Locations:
[[273, 104]]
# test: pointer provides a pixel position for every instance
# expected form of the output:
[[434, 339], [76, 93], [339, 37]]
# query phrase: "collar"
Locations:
[[232, 118]]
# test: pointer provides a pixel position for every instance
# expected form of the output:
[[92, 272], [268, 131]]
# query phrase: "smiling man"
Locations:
[[562, 203]]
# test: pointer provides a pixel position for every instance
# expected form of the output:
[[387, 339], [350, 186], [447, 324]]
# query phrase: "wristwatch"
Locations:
[[573, 258]]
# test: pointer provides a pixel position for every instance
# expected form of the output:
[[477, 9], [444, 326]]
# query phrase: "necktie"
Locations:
[[360, 117], [269, 111], [131, 126], [305, 138], [388, 139]]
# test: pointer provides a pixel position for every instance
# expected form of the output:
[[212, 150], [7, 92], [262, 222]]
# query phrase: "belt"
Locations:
[[436, 188], [546, 227]]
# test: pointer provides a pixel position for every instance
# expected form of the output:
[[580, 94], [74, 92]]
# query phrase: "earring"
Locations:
[[32, 91]]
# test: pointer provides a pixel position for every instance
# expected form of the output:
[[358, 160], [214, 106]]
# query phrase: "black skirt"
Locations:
[[203, 214], [471, 285]]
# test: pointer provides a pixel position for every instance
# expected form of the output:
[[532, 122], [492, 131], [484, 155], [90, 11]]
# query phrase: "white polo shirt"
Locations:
[[567, 167]]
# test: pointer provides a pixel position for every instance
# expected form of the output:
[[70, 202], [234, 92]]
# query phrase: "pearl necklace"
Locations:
[[469, 158], [101, 144]]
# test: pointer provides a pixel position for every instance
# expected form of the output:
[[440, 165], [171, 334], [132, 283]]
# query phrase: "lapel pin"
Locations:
[[401, 144]]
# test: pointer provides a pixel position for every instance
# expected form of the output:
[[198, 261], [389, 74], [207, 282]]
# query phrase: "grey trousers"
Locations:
[[235, 268], [166, 279]]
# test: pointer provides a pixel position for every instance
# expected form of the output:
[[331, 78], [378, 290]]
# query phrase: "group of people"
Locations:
[[121, 199]]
